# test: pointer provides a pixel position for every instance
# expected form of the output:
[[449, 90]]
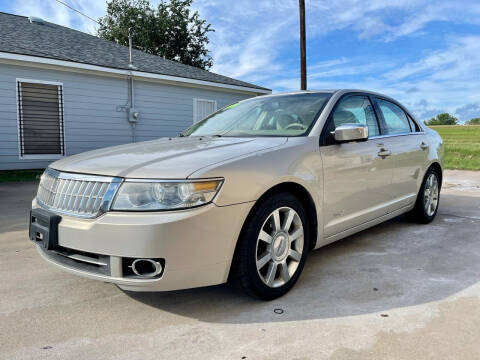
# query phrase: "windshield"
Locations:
[[283, 115]]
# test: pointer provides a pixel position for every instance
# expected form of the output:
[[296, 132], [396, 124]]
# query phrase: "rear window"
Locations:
[[396, 121], [413, 125]]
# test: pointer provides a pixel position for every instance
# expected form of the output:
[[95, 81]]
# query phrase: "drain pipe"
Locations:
[[132, 113], [130, 60]]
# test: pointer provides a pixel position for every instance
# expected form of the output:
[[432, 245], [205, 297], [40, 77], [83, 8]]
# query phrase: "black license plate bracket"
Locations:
[[43, 229]]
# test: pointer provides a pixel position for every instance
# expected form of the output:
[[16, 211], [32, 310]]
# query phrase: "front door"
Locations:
[[357, 175]]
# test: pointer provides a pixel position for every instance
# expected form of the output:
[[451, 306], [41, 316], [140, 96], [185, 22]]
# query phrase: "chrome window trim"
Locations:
[[338, 94], [395, 135]]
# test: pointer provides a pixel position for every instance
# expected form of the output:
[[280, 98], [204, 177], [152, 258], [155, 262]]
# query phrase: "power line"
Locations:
[[71, 8]]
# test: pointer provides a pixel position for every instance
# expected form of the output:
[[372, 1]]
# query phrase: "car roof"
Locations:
[[327, 91], [338, 92]]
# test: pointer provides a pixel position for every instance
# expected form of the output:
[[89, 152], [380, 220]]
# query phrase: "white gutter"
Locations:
[[139, 74]]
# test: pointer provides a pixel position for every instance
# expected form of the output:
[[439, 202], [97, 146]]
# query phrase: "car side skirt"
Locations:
[[366, 225]]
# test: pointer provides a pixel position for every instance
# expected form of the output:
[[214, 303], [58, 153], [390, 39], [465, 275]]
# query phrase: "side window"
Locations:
[[355, 109], [413, 124], [396, 121]]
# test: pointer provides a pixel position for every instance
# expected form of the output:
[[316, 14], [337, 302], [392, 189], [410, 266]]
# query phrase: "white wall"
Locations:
[[90, 111]]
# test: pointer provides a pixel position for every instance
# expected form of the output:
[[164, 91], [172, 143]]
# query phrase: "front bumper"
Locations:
[[197, 245]]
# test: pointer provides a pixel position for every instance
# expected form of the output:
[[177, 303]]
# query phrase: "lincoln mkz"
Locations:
[[243, 195]]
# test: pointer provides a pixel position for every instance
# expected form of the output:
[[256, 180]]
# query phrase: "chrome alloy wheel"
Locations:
[[279, 247], [430, 195]]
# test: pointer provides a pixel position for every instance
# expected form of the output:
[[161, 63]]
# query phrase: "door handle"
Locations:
[[384, 153], [424, 146]]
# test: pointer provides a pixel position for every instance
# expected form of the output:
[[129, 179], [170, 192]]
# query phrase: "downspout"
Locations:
[[132, 114]]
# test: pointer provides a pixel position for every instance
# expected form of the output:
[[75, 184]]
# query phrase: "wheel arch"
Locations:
[[298, 191], [438, 168], [302, 194]]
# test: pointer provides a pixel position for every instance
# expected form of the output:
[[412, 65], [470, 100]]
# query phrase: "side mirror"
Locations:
[[351, 132]]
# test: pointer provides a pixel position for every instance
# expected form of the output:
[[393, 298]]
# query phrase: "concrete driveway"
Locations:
[[396, 291]]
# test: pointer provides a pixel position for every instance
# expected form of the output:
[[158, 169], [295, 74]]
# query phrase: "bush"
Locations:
[[442, 119]]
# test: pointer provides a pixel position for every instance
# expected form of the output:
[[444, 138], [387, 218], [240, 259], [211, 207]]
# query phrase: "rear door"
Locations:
[[408, 149], [357, 179]]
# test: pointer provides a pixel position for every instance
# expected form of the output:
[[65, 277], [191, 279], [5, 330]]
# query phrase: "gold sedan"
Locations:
[[242, 195]]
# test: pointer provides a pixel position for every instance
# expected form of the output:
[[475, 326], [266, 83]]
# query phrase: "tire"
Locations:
[[270, 258], [422, 212]]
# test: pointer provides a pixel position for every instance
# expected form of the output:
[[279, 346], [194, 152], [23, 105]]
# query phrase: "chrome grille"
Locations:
[[76, 194]]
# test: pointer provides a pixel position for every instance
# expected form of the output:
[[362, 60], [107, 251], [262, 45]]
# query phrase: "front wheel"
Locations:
[[428, 198], [273, 247]]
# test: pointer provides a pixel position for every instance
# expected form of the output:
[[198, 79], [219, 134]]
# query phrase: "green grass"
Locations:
[[20, 175], [462, 146]]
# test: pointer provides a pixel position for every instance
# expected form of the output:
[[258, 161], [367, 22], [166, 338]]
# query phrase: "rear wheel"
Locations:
[[273, 247], [428, 198]]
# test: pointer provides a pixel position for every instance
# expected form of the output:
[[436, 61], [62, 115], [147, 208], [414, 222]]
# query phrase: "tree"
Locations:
[[170, 31], [443, 119], [474, 121]]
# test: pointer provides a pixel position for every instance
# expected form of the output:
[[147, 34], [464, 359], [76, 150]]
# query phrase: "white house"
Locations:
[[63, 92]]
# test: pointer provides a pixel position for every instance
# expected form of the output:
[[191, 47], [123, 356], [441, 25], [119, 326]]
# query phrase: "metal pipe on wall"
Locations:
[[132, 115], [131, 107]]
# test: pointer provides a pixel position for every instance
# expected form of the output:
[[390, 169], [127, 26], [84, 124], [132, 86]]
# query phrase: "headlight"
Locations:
[[165, 195]]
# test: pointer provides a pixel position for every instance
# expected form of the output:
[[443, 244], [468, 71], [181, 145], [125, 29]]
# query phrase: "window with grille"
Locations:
[[203, 108], [40, 119]]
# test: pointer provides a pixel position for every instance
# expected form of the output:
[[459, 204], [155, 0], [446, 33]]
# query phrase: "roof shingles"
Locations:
[[19, 36]]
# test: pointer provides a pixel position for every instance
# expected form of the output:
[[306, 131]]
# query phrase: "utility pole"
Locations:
[[303, 48]]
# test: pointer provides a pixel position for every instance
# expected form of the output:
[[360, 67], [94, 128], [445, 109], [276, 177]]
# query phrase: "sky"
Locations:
[[424, 53]]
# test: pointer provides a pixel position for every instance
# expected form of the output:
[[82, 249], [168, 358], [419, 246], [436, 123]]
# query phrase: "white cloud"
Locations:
[[460, 58], [248, 35], [448, 77], [435, 83], [468, 111], [252, 35], [57, 13]]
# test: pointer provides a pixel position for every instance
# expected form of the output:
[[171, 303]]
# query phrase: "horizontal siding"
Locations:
[[90, 111], [160, 105]]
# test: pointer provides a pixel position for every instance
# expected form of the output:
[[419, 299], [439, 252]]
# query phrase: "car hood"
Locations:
[[166, 158]]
